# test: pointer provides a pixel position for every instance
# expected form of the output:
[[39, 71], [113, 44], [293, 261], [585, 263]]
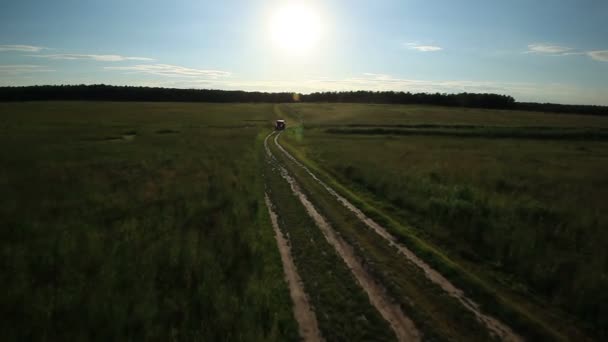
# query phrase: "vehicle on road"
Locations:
[[280, 125]]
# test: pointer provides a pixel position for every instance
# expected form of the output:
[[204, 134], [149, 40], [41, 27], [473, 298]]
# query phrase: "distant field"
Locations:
[[137, 221], [528, 211], [378, 115], [148, 221]]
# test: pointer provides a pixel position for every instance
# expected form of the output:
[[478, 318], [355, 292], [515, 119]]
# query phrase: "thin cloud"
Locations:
[[99, 58], [375, 76], [70, 56], [371, 81], [366, 81], [543, 48], [21, 48], [559, 50], [522, 91], [601, 55], [423, 48], [14, 69], [172, 71]]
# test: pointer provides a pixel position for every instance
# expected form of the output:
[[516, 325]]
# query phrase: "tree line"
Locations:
[[132, 93], [393, 97]]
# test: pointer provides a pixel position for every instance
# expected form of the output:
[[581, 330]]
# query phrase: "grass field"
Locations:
[[133, 221], [526, 211]]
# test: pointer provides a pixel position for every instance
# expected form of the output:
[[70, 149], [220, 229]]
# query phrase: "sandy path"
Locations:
[[305, 316], [404, 328], [496, 327]]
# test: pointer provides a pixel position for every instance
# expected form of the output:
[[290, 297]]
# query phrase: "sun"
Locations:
[[295, 28]]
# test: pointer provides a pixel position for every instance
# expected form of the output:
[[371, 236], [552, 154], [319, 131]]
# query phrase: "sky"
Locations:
[[541, 50]]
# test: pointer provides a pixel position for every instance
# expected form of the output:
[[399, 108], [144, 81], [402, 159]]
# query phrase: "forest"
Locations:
[[103, 92]]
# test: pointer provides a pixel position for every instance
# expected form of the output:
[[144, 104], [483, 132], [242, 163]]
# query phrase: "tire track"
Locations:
[[302, 310], [495, 326], [403, 326]]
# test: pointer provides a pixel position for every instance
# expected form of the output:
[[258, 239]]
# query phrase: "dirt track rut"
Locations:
[[403, 326], [495, 326], [305, 316]]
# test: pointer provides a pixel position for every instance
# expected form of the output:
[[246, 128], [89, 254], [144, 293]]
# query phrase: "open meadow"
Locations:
[[515, 197], [148, 221], [304, 170], [137, 221]]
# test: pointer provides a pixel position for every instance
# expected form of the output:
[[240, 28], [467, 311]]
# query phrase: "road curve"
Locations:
[[403, 326], [496, 327]]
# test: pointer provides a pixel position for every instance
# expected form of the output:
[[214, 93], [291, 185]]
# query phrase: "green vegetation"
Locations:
[[131, 221], [342, 308], [526, 215], [114, 229], [101, 92], [438, 316], [349, 115], [537, 133]]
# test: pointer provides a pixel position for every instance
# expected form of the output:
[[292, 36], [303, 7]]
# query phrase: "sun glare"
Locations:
[[295, 28]]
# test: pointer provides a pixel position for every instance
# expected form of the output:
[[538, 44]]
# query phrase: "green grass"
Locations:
[[342, 308], [146, 221], [155, 236], [328, 115], [525, 215], [529, 133], [438, 316]]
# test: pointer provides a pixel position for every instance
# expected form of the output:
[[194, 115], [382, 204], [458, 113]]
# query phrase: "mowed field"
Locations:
[[151, 221]]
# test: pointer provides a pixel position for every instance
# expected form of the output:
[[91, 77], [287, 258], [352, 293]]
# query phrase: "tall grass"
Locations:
[[538, 224], [529, 212], [537, 133], [162, 236]]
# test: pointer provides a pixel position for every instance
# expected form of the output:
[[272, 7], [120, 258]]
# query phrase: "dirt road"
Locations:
[[495, 327], [403, 326]]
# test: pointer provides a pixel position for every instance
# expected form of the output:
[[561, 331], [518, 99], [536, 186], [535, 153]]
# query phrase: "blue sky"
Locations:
[[542, 50]]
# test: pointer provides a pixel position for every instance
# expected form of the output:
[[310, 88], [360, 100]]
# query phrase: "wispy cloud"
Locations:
[[172, 71], [366, 81], [21, 48], [70, 56], [601, 55], [523, 91], [372, 81], [22, 69], [559, 50], [99, 58], [550, 49], [375, 76], [423, 48]]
